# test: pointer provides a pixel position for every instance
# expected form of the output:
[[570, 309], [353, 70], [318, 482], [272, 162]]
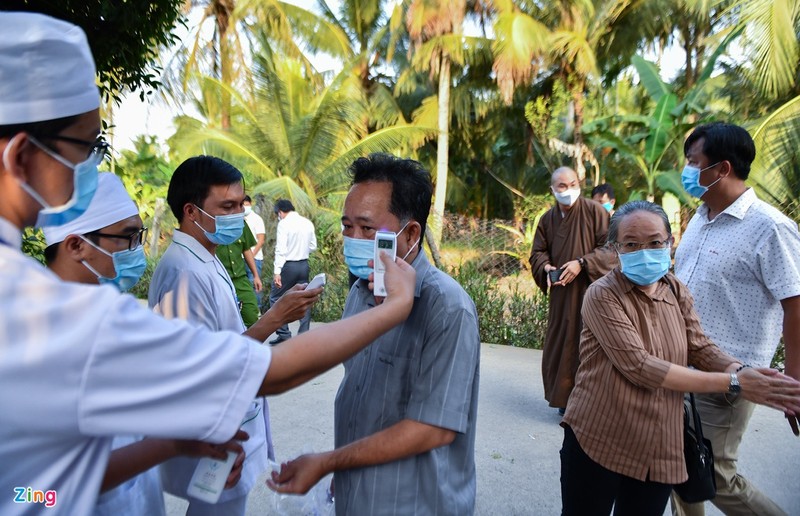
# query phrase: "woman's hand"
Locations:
[[769, 387]]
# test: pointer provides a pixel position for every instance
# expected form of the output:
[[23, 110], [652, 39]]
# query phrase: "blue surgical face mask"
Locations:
[[129, 266], [608, 206], [358, 252], [84, 187], [228, 228], [646, 266], [690, 178]]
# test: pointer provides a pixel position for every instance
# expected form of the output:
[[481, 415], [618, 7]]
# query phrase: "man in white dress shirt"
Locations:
[[740, 258], [81, 363], [295, 241], [256, 225]]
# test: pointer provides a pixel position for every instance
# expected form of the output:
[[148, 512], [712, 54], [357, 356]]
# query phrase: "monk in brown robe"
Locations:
[[570, 237]]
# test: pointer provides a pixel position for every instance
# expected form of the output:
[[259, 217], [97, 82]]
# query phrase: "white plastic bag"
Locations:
[[317, 502]]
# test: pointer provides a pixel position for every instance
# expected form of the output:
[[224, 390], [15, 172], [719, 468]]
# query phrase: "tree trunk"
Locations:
[[577, 136], [577, 99], [433, 246], [442, 151], [226, 77], [155, 225]]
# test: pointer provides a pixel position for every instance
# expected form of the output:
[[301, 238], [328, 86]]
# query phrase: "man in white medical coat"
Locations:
[[80, 363]]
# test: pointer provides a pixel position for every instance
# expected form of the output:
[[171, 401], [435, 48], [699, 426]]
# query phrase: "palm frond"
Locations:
[[775, 169], [519, 40]]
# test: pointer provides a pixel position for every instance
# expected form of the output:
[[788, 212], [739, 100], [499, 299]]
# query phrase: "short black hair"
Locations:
[[194, 178], [248, 199], [412, 188], [284, 205], [50, 254], [40, 130], [725, 142], [605, 188]]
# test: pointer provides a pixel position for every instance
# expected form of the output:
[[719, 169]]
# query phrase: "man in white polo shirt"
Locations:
[[740, 258]]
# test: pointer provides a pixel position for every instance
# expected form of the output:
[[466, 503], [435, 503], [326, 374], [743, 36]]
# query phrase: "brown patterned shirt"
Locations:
[[621, 416]]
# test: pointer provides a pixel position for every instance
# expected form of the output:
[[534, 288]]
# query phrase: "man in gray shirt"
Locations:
[[406, 410]]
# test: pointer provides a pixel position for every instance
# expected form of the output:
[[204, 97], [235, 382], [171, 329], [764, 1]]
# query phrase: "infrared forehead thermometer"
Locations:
[[385, 241]]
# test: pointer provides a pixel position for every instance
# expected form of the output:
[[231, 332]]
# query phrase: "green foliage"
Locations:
[[775, 172], [124, 36], [328, 259], [508, 316], [33, 244], [145, 172], [779, 360]]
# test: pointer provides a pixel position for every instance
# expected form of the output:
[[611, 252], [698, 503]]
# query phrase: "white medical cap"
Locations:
[[46, 69], [110, 204]]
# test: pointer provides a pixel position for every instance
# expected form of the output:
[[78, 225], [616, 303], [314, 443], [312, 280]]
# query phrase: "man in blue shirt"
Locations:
[[406, 410]]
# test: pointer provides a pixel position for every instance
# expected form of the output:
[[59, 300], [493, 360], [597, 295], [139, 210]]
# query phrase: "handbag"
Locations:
[[697, 452]]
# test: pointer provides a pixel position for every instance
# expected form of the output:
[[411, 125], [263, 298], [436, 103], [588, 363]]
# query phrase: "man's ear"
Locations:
[[727, 168], [189, 211], [413, 230], [16, 156], [74, 247]]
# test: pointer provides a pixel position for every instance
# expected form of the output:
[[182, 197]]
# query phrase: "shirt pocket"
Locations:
[[390, 388]]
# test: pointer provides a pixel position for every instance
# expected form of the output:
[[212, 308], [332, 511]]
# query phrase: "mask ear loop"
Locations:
[[92, 269], [25, 186], [207, 215], [415, 243], [5, 151]]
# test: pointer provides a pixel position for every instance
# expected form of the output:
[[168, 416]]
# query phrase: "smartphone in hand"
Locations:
[[317, 281], [555, 274]]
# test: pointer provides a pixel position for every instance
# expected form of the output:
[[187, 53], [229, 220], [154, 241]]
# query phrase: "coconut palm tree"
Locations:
[[562, 39], [295, 138], [224, 38], [435, 28]]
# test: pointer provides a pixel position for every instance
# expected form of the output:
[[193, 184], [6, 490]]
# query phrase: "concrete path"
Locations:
[[518, 440]]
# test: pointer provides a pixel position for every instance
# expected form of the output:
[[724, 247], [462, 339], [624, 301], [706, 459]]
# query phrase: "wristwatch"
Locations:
[[734, 387], [582, 263]]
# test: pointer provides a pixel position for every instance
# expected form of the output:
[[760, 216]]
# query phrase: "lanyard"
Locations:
[[224, 277]]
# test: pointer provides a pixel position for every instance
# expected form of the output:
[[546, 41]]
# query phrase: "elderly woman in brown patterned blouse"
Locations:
[[623, 427]]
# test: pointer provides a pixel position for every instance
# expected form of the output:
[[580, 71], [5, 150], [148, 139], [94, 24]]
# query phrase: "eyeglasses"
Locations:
[[98, 149], [629, 247], [134, 239]]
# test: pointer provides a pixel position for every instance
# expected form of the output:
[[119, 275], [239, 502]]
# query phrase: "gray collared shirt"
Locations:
[[427, 370]]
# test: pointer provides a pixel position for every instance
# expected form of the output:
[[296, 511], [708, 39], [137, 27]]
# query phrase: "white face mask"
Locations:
[[567, 197]]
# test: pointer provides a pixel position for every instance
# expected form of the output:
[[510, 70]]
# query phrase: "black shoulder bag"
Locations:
[[701, 485], [697, 452]]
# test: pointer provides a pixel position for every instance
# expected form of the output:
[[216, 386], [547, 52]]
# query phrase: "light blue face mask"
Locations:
[[690, 178], [608, 206], [646, 266], [128, 264], [84, 187], [358, 252], [228, 228]]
